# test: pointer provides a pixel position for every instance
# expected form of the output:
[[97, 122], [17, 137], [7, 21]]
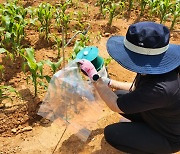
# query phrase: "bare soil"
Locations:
[[22, 131]]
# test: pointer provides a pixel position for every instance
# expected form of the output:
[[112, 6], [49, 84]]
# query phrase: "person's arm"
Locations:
[[117, 84], [107, 95], [120, 85]]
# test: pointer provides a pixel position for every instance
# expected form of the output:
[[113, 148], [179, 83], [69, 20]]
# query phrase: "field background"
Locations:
[[21, 130]]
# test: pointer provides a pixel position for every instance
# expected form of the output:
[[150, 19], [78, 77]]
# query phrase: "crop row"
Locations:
[[162, 9]]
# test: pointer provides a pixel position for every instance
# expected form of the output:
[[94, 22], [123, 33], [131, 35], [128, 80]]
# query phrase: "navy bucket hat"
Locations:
[[145, 49]]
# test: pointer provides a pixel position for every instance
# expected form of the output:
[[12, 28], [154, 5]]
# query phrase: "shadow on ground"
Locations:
[[32, 105], [74, 145]]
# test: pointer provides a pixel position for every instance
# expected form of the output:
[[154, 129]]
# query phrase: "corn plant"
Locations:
[[12, 8], [98, 36], [130, 5], [107, 61], [35, 68], [32, 12], [112, 8], [77, 47], [13, 23], [175, 11], [14, 33], [45, 14], [102, 4], [8, 55], [86, 13], [143, 5], [4, 92], [62, 17], [80, 20], [153, 7], [164, 9], [58, 41], [54, 66], [6, 25]]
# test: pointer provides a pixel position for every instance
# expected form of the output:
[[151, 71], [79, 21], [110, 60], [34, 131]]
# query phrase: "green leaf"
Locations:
[[2, 29], [8, 88], [30, 58], [43, 84], [77, 47], [107, 61], [24, 66], [40, 67], [48, 78], [8, 35], [58, 63], [1, 68]]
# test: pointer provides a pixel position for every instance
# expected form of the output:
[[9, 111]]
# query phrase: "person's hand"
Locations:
[[87, 67]]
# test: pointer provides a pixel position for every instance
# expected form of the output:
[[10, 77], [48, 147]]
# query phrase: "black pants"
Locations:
[[136, 136]]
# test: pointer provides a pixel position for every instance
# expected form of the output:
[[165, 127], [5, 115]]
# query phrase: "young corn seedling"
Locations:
[[130, 5], [111, 8], [45, 14], [80, 20], [175, 11], [8, 54], [35, 68], [86, 13], [63, 18], [13, 21], [32, 12], [77, 47], [107, 61], [18, 31], [153, 7], [58, 43], [5, 92], [54, 66], [164, 10], [6, 26], [143, 5], [98, 37], [102, 4]]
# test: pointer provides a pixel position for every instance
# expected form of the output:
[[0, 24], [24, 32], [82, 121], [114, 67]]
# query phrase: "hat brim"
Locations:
[[144, 64]]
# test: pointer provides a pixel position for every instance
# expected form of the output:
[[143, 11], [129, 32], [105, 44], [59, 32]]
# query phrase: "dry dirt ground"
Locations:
[[22, 130]]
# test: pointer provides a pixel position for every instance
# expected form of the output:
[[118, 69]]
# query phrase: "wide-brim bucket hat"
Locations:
[[145, 49]]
